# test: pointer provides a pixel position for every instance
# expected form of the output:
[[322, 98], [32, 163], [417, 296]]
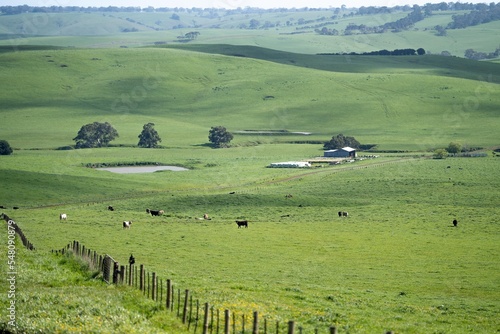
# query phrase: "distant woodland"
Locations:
[[475, 14]]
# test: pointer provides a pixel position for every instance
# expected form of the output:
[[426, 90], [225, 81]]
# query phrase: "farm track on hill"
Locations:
[[342, 169]]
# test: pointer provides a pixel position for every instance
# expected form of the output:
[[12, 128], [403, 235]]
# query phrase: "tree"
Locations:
[[454, 148], [440, 153], [5, 148], [219, 136], [340, 141], [420, 51], [95, 135], [149, 137]]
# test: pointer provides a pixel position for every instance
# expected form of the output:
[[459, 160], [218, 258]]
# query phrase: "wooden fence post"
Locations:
[[226, 322], [197, 315], [178, 302], [153, 287], [141, 278], [211, 320], [135, 277], [333, 330], [115, 272], [184, 310], [148, 284], [169, 293], [291, 327], [255, 329], [122, 274], [205, 320], [161, 290]]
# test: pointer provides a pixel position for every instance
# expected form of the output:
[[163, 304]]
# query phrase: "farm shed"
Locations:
[[290, 164], [344, 152]]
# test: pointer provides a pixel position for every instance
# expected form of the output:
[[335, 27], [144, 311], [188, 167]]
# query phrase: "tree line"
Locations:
[[96, 134], [480, 16], [396, 52]]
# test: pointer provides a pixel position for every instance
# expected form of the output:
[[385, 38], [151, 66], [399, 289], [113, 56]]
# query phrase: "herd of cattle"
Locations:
[[239, 223]]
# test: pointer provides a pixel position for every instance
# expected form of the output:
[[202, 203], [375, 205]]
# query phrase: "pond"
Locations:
[[142, 169]]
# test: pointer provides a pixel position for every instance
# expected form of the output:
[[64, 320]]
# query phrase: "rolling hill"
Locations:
[[419, 102], [286, 30]]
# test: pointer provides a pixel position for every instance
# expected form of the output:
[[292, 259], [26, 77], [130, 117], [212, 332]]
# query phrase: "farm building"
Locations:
[[290, 164], [345, 152]]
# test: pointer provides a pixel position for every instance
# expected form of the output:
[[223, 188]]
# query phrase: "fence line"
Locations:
[[113, 273], [178, 303], [18, 230]]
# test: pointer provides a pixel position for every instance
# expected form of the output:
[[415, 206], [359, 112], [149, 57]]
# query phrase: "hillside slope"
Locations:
[[293, 31], [184, 93], [57, 294]]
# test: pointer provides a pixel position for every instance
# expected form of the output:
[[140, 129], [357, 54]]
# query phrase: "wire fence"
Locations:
[[198, 318]]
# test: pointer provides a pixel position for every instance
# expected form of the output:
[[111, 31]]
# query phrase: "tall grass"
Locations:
[[60, 295]]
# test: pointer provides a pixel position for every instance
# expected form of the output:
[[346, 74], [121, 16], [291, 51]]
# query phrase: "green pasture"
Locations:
[[413, 103], [57, 294], [396, 263]]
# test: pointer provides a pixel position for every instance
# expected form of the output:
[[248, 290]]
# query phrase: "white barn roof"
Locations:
[[347, 149], [291, 164]]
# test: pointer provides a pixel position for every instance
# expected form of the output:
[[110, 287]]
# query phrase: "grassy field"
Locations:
[[396, 263], [187, 92], [59, 295]]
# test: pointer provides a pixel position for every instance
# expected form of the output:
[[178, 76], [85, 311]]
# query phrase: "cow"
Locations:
[[241, 223], [340, 213], [345, 214], [206, 217], [110, 208], [455, 222], [63, 216], [126, 224], [155, 212]]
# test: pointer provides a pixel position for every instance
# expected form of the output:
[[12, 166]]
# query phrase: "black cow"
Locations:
[[455, 222], [155, 212], [242, 223], [110, 208]]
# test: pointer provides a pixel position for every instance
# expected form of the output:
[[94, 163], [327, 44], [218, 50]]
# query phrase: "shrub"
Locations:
[[5, 148]]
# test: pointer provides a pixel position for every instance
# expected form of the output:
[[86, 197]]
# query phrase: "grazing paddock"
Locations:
[[396, 264]]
